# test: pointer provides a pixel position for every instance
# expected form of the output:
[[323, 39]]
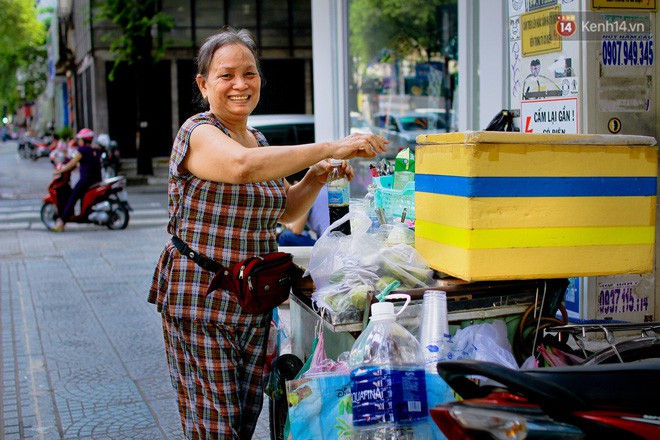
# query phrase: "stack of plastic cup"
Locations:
[[434, 326]]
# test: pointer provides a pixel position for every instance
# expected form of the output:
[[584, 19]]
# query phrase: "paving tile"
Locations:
[[83, 353]]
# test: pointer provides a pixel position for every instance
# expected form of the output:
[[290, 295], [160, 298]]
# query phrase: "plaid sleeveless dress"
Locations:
[[215, 351]]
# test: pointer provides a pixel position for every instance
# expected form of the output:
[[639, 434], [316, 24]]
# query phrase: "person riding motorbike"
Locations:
[[88, 158], [62, 153]]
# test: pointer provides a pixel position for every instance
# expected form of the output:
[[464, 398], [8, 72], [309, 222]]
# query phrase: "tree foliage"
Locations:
[[137, 24], [137, 40], [22, 52], [382, 30]]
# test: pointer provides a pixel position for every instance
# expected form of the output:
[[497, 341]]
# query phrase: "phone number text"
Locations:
[[621, 300], [627, 53]]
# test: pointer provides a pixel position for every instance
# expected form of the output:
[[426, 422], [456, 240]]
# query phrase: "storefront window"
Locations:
[[403, 68]]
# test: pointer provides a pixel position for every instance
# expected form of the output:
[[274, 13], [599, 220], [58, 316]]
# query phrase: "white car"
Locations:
[[402, 129], [289, 129]]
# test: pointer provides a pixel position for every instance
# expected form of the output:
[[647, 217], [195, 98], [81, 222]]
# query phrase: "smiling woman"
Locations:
[[227, 194]]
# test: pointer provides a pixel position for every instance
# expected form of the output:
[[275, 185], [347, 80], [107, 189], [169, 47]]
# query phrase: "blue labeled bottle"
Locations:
[[388, 383]]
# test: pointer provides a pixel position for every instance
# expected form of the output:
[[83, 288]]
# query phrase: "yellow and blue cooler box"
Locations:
[[499, 205]]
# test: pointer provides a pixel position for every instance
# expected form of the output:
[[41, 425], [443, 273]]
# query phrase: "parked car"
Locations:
[[359, 124], [402, 129], [288, 129], [441, 118]]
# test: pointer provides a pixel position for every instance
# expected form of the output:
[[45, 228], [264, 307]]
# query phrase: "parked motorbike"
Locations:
[[39, 147], [622, 343], [110, 158], [575, 402], [105, 203]]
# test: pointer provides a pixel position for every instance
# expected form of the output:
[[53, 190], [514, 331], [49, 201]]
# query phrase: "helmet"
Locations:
[[85, 134], [103, 140]]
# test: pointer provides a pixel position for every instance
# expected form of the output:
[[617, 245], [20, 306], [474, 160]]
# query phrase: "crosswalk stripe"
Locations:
[[36, 214]]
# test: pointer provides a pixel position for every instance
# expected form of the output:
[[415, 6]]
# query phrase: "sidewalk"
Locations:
[[159, 178], [81, 350]]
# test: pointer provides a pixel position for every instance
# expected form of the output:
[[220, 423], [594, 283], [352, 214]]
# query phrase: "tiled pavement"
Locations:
[[81, 350]]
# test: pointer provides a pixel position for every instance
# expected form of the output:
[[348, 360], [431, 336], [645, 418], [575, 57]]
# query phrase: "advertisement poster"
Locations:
[[544, 66], [549, 116]]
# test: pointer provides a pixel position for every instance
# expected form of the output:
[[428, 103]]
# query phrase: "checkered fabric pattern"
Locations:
[[225, 222], [218, 387], [215, 350]]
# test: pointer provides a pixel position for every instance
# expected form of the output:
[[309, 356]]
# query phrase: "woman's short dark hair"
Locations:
[[228, 35]]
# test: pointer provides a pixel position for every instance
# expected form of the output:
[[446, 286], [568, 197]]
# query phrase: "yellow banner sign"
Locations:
[[539, 32], [637, 5]]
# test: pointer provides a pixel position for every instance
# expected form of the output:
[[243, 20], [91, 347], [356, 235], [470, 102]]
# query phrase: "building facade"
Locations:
[[85, 97]]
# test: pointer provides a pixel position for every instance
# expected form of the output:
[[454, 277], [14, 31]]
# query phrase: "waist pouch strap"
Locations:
[[202, 261]]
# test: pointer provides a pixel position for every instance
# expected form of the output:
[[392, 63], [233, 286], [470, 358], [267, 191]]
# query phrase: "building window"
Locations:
[[403, 66]]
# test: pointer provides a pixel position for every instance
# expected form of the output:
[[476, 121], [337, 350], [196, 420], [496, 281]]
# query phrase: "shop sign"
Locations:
[[539, 31], [636, 5], [533, 5], [549, 116]]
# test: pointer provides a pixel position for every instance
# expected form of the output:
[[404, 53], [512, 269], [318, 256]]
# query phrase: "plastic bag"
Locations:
[[346, 269], [320, 407], [278, 343], [323, 365], [483, 342]]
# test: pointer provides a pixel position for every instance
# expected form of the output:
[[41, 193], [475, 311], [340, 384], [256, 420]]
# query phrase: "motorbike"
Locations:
[[37, 148], [110, 158], [105, 203], [618, 400]]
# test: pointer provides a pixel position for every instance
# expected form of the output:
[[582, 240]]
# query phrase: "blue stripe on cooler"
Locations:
[[535, 186]]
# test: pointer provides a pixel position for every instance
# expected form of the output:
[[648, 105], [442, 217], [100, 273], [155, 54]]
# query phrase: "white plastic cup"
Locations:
[[434, 326]]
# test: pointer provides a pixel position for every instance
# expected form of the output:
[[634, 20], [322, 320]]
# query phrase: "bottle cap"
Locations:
[[335, 162], [381, 311]]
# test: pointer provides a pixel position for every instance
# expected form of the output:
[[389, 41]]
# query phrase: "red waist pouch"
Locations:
[[260, 283]]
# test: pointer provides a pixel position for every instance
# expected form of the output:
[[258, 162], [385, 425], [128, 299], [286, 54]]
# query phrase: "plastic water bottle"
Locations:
[[338, 196], [370, 207], [388, 383]]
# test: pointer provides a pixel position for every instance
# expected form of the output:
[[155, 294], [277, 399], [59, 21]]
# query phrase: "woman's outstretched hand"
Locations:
[[360, 145]]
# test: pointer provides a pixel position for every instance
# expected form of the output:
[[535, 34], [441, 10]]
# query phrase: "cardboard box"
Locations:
[[501, 206]]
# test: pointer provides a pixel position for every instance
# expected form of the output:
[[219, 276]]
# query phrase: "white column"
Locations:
[[329, 51], [493, 60], [468, 102], [482, 62]]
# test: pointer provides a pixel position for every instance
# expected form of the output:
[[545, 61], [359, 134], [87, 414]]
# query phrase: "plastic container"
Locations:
[[392, 200], [388, 383], [338, 196], [524, 206]]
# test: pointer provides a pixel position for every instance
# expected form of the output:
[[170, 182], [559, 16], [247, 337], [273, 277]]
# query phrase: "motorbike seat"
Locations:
[[634, 385], [629, 385], [105, 182]]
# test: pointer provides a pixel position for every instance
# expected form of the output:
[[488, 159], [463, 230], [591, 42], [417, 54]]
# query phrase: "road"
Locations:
[[81, 351], [23, 184]]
